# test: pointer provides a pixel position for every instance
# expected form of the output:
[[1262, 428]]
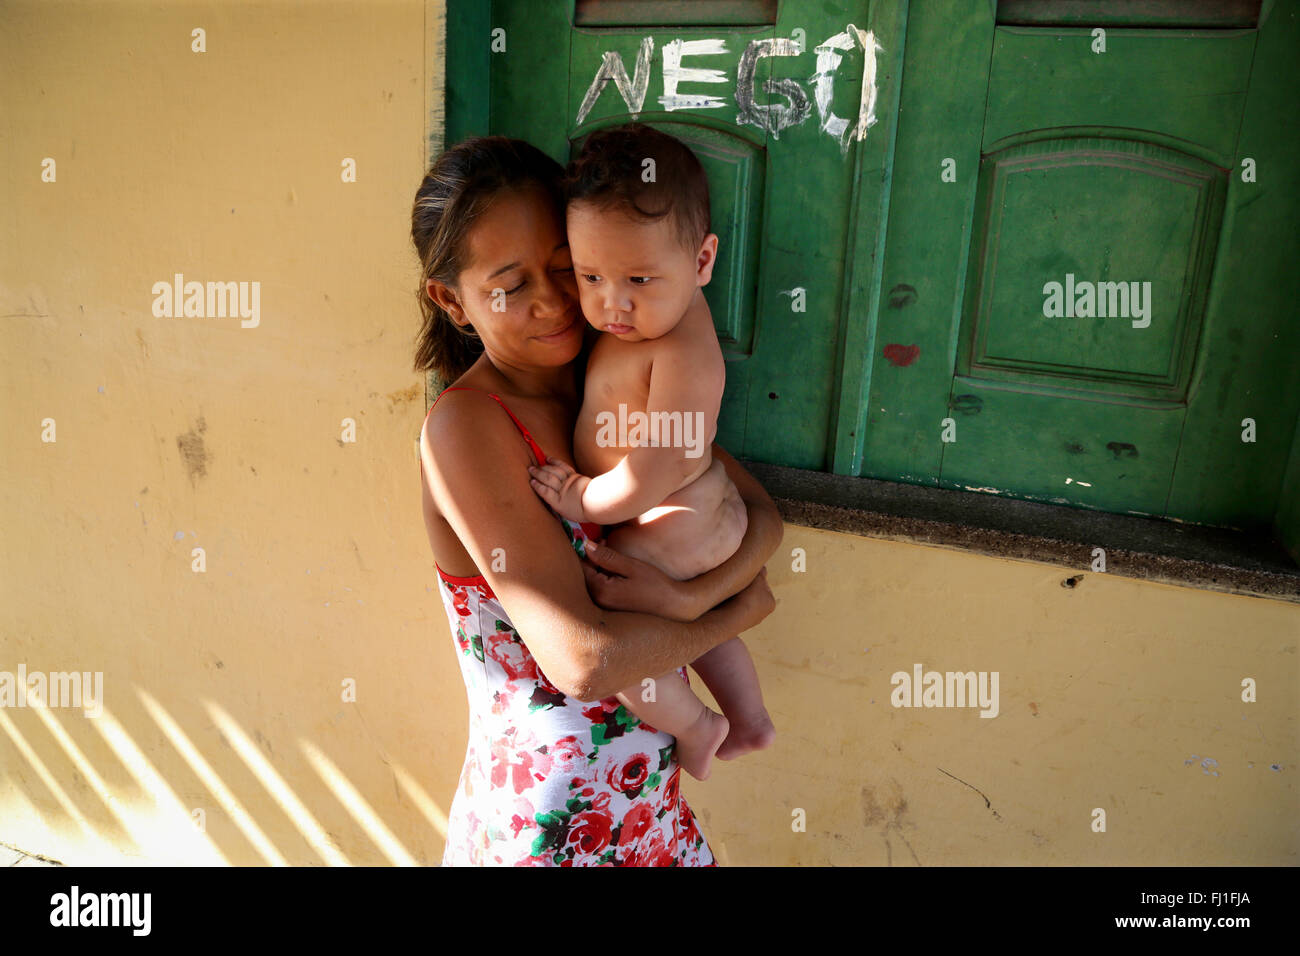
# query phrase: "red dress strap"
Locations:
[[537, 451], [592, 531]]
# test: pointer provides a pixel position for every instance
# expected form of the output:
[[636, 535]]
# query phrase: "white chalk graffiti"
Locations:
[[612, 68], [828, 62], [773, 117], [675, 73]]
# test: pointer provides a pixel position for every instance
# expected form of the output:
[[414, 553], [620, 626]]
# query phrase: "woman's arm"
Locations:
[[635, 585], [587, 652]]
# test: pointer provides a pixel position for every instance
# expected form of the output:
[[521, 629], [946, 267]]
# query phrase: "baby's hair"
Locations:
[[611, 172]]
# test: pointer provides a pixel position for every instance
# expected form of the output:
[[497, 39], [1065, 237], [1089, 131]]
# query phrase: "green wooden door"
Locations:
[[778, 103], [1089, 284], [964, 244]]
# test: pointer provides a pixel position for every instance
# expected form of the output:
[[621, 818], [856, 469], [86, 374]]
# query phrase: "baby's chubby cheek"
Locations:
[[590, 309]]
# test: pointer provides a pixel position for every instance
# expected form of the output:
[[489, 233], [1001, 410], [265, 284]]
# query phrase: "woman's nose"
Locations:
[[553, 297]]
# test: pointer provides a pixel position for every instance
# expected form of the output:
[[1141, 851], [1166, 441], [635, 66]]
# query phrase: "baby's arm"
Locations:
[[683, 380]]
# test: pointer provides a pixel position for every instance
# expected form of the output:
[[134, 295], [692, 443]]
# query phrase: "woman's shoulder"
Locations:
[[463, 397], [460, 411], [467, 419]]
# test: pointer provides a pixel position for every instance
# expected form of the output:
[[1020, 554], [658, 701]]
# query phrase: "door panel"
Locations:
[[789, 386], [1081, 167], [914, 338], [1252, 334], [1189, 85], [529, 80], [1091, 214], [1130, 13], [1108, 214], [1135, 226]]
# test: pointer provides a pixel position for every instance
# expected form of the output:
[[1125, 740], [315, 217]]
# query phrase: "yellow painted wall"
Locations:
[[1112, 695], [223, 690]]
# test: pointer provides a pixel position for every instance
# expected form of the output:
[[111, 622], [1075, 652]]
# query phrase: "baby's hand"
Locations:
[[560, 487]]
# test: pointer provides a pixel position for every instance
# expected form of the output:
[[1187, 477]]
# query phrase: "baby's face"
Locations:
[[635, 279]]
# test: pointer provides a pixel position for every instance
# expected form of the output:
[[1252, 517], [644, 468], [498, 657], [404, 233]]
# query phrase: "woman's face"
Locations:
[[517, 288]]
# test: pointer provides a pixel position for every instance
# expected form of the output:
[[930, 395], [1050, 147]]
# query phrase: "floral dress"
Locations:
[[549, 780]]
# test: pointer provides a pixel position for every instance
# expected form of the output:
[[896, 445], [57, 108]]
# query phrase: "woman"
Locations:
[[557, 772]]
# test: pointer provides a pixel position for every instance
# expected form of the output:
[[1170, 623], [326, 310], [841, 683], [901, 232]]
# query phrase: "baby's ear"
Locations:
[[705, 259]]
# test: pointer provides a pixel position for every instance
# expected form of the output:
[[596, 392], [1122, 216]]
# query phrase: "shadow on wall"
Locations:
[[123, 803]]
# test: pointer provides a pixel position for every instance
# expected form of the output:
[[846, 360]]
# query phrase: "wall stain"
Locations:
[[405, 396], [257, 735], [193, 452], [889, 813]]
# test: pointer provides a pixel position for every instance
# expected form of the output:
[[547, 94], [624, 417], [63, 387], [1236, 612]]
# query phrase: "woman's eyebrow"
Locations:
[[515, 264]]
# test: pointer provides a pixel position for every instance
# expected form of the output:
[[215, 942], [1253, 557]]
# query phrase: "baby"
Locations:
[[638, 226]]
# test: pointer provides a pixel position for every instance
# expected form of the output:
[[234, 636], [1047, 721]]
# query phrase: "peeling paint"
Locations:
[[1207, 764]]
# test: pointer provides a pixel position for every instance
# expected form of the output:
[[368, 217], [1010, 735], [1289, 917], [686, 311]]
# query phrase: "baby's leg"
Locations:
[[676, 710], [695, 529], [728, 671]]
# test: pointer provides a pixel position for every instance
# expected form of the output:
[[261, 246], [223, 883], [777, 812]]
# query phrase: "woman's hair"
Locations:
[[464, 181]]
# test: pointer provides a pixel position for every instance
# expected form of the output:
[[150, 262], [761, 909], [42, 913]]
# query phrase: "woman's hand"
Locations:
[[618, 582], [560, 487]]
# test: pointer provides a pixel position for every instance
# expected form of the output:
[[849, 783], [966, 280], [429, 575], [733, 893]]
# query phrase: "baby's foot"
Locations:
[[696, 747], [749, 732]]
